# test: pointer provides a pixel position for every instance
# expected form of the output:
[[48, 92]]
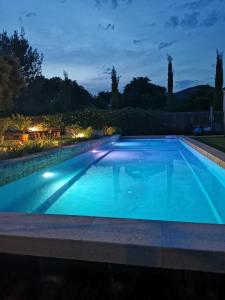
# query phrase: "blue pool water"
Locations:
[[152, 179]]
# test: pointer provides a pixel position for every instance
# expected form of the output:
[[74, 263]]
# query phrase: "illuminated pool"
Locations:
[[152, 179]]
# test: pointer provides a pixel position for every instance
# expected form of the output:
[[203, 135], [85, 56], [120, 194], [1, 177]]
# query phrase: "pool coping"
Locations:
[[159, 244], [169, 245], [213, 154]]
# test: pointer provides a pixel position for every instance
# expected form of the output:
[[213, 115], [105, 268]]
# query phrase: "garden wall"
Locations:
[[183, 122], [16, 168], [144, 122]]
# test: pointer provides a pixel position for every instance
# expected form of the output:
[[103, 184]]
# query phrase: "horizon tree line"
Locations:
[[22, 87]]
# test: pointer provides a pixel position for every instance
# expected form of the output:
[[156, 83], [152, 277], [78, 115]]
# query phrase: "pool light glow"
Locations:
[[48, 174]]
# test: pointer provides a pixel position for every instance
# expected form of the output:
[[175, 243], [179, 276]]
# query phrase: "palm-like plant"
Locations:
[[54, 121], [21, 122], [4, 125]]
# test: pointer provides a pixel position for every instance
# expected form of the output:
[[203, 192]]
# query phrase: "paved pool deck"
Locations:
[[157, 244]]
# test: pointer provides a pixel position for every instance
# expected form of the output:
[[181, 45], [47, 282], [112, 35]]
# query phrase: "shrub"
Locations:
[[132, 121], [112, 130], [21, 122], [88, 132], [54, 121], [4, 125], [21, 149], [76, 131]]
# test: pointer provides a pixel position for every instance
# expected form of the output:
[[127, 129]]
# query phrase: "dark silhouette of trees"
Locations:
[[103, 100], [198, 98], [115, 95], [140, 92], [66, 91], [53, 95], [17, 46], [218, 96], [11, 82], [170, 105]]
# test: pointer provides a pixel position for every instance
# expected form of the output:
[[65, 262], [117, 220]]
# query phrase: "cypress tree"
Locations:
[[170, 98], [218, 95], [115, 97]]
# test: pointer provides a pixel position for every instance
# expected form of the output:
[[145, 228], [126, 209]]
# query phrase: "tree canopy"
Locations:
[[198, 98], [11, 82], [115, 95], [140, 92], [53, 95], [17, 46], [218, 95]]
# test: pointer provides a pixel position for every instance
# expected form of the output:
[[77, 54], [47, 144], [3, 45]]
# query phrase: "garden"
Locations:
[[21, 135]]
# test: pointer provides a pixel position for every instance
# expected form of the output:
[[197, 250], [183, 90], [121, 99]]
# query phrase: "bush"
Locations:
[[112, 130], [21, 149], [54, 121], [131, 121], [21, 122], [88, 132], [75, 131]]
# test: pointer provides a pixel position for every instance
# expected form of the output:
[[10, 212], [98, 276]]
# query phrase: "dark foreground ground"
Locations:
[[42, 279]]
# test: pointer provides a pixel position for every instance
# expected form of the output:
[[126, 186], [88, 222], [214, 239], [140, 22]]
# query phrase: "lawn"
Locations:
[[217, 142]]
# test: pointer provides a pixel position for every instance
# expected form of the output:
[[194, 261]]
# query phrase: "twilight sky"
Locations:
[[87, 37]]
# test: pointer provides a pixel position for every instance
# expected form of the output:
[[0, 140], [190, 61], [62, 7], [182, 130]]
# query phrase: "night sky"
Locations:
[[87, 37]]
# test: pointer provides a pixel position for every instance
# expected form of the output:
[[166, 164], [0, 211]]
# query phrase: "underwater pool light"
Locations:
[[48, 174], [94, 151]]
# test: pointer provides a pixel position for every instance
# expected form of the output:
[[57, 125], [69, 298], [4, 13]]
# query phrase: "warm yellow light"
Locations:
[[79, 135], [33, 128]]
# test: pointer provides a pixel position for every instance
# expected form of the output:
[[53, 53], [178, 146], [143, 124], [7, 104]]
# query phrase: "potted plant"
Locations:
[[4, 125], [54, 123], [21, 123]]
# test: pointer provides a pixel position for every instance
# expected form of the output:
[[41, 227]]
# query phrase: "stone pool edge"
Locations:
[[213, 154], [158, 244], [16, 168]]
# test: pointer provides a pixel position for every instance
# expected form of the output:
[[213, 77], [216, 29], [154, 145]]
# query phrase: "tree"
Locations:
[[115, 95], [17, 46], [66, 93], [170, 98], [103, 100], [198, 98], [11, 82], [218, 96], [140, 92], [53, 95]]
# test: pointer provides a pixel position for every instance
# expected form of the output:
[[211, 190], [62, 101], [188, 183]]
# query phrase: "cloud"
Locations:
[[30, 14], [114, 3], [106, 70], [151, 24], [192, 21], [107, 27], [184, 84], [195, 5], [163, 45], [173, 22], [211, 19], [136, 42]]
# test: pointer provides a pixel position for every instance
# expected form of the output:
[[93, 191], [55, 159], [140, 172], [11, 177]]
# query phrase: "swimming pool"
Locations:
[[150, 179]]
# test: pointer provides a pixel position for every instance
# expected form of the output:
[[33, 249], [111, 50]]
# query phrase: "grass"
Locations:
[[217, 142]]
